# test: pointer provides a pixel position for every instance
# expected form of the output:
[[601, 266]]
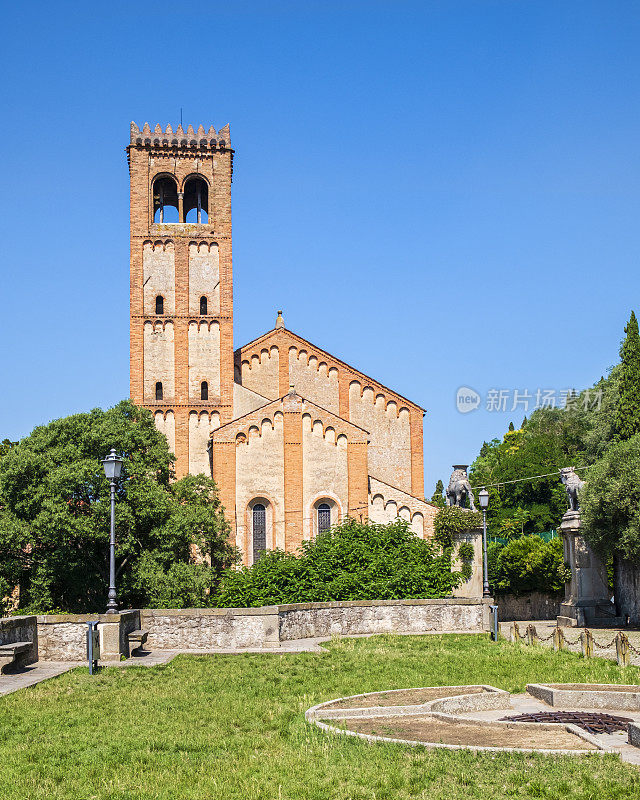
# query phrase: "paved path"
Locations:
[[526, 704], [43, 670], [602, 637], [34, 673]]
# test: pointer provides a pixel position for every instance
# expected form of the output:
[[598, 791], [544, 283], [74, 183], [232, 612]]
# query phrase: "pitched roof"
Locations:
[[230, 430], [281, 332]]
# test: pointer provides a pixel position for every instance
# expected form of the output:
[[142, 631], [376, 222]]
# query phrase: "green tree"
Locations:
[[628, 410], [5, 446], [54, 520], [610, 501], [529, 564], [438, 495], [351, 561]]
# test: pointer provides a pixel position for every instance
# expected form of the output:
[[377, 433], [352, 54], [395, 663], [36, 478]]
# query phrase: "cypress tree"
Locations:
[[437, 496], [628, 410]]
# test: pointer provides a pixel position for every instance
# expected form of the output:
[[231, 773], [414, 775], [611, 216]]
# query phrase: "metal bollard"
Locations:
[[93, 646], [494, 623], [531, 634]]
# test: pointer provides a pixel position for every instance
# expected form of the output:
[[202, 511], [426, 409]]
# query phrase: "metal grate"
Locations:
[[591, 722]]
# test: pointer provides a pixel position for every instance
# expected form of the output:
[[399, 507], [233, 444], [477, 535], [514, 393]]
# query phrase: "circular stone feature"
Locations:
[[591, 722]]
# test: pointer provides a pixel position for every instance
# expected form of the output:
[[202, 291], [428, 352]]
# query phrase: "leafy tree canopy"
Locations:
[[610, 500], [54, 513]]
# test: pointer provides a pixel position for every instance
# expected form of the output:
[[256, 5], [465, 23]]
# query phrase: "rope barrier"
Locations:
[[529, 478]]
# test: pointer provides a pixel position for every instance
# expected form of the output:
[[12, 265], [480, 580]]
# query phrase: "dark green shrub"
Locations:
[[451, 520], [352, 561], [530, 564]]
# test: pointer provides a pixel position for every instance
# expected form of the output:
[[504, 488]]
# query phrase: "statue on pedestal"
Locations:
[[586, 593], [572, 484], [459, 487]]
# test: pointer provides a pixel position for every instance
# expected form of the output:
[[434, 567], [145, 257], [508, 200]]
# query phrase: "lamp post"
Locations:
[[112, 468], [483, 497]]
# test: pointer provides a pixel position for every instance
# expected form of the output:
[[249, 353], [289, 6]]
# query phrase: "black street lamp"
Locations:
[[112, 468], [483, 497]]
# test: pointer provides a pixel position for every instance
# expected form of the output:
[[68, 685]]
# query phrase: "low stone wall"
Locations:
[[21, 629], [198, 628], [204, 628], [62, 637], [306, 620], [535, 605]]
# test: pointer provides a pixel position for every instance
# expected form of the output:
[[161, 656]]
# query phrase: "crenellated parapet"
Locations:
[[200, 139]]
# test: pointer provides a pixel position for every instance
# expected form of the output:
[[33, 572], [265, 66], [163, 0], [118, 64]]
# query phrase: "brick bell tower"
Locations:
[[181, 285]]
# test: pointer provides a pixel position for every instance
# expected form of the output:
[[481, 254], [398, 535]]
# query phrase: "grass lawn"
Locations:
[[233, 727]]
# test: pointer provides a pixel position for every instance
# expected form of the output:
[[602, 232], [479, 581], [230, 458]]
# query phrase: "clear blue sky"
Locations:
[[440, 193]]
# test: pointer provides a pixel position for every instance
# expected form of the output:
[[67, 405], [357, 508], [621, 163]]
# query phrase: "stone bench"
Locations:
[[137, 640], [13, 653]]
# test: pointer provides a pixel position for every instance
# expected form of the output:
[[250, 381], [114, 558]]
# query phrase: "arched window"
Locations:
[[203, 306], [324, 517], [259, 530], [159, 304], [165, 199], [159, 390], [204, 390], [196, 201]]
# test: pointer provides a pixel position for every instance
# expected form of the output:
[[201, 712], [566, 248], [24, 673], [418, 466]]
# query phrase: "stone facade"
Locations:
[[280, 423]]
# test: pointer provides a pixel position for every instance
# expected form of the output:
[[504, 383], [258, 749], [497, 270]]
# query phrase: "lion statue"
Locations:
[[459, 487], [572, 484]]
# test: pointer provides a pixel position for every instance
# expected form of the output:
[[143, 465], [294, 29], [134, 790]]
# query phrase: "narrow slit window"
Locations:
[[259, 530], [159, 304], [159, 390], [203, 306], [204, 390], [324, 517]]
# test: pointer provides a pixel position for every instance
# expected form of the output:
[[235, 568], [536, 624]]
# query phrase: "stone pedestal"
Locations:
[[586, 594], [472, 587]]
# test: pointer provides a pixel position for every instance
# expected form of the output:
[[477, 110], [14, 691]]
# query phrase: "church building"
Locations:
[[295, 438]]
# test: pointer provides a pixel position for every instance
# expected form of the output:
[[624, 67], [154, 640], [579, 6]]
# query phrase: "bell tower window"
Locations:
[[196, 201], [159, 390], [165, 199], [203, 306], [204, 390], [159, 304]]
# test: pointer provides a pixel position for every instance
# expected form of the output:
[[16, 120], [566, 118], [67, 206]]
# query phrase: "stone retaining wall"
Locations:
[[267, 626], [21, 629], [534, 605], [62, 637], [204, 628]]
